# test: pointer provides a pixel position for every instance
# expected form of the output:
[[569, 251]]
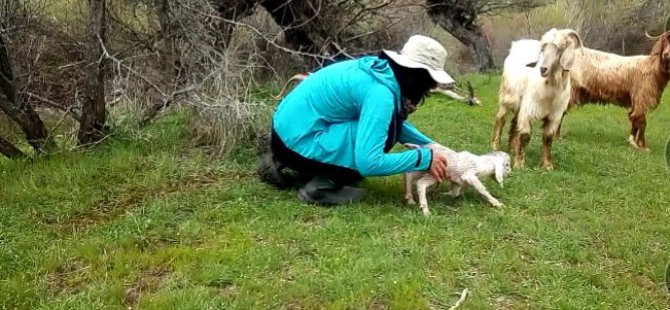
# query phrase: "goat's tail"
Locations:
[[298, 77]]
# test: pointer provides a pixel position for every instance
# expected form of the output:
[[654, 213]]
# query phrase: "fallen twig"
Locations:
[[461, 300]]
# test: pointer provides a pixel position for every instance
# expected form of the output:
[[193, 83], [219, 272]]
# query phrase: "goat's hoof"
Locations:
[[411, 202], [548, 167], [498, 204], [632, 142], [425, 211]]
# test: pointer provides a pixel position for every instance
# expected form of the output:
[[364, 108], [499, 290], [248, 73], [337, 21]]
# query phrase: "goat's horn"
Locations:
[[471, 90], [646, 33], [666, 28], [579, 43]]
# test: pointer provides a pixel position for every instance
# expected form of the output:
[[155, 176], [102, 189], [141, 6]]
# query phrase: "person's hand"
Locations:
[[438, 166]]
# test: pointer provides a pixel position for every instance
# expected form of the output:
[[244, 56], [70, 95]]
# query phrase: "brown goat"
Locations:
[[632, 82]]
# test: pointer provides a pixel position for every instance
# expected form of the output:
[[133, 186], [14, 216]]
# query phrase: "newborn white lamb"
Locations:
[[463, 168]]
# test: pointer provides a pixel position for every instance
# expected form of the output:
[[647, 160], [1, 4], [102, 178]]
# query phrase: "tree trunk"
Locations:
[[17, 109], [8, 149], [460, 21], [94, 114]]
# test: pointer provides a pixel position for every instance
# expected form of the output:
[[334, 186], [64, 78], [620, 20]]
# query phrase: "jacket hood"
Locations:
[[382, 72]]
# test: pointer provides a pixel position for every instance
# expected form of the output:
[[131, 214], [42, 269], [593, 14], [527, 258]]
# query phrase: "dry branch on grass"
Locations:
[[9, 150]]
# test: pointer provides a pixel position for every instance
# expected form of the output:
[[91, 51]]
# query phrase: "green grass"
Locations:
[[150, 222]]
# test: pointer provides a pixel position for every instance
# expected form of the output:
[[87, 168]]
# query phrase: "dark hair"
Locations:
[[414, 82]]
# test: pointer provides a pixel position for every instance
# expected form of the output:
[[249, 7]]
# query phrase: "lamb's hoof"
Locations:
[[498, 204], [548, 167], [518, 165], [411, 202]]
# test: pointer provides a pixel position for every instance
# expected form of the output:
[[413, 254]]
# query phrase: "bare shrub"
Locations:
[[223, 112], [617, 26]]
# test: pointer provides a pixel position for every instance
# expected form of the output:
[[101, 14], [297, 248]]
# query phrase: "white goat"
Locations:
[[544, 94], [463, 168], [513, 84]]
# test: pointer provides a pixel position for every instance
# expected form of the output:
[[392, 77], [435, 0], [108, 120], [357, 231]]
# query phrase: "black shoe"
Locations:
[[326, 192], [269, 170]]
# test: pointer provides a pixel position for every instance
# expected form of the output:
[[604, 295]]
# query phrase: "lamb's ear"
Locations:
[[568, 58], [499, 171]]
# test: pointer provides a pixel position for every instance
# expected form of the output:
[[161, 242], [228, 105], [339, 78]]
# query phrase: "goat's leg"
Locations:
[[633, 130], [638, 123], [421, 187], [408, 178], [513, 133], [498, 127], [558, 136], [642, 126], [477, 184], [549, 129], [522, 138]]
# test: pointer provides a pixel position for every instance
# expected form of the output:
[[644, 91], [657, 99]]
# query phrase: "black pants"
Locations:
[[311, 168]]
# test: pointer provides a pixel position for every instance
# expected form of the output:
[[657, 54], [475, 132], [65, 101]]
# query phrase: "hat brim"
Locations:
[[440, 76]]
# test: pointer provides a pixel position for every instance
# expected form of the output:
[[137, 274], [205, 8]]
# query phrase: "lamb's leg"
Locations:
[[521, 141], [477, 184], [409, 179], [498, 127], [421, 187], [455, 189]]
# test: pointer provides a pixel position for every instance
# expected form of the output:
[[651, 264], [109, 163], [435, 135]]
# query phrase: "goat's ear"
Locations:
[[568, 58], [499, 171]]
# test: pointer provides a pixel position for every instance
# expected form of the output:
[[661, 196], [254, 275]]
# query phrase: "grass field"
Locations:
[[147, 221]]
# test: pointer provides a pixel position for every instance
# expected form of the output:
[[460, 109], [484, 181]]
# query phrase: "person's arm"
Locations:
[[412, 135], [375, 118]]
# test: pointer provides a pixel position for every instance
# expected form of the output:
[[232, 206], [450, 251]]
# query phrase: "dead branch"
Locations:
[[9, 150], [69, 111]]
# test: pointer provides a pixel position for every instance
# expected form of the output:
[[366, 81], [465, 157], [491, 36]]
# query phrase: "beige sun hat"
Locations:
[[423, 52]]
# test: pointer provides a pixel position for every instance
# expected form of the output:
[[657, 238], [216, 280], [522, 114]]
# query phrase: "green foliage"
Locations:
[[149, 222]]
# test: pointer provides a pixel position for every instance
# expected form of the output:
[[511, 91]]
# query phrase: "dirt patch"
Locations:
[[68, 278], [647, 283], [119, 201], [147, 282], [224, 286]]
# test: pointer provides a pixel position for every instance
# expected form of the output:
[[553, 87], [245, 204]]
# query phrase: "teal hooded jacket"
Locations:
[[342, 115]]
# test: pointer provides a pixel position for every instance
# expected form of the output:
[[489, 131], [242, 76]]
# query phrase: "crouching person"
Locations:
[[339, 124]]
